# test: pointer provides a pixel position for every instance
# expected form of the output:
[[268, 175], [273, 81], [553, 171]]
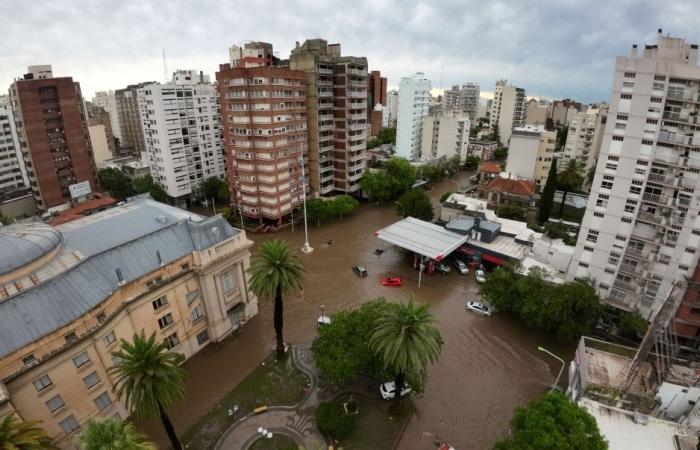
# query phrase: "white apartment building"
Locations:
[[585, 137], [392, 107], [182, 131], [507, 109], [13, 174], [107, 101], [445, 134], [530, 153], [464, 99], [641, 229], [413, 105]]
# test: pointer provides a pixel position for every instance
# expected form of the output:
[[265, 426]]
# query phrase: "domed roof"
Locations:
[[21, 244]]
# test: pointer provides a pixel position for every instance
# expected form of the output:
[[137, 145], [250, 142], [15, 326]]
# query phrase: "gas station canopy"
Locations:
[[424, 238]]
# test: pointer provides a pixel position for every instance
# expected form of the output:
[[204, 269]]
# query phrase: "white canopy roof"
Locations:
[[424, 238]]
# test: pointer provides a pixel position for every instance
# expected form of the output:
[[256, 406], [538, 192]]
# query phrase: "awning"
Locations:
[[492, 259], [424, 238]]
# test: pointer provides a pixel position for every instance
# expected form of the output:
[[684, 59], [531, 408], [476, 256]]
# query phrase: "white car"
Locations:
[[461, 267], [479, 308], [387, 390], [480, 276]]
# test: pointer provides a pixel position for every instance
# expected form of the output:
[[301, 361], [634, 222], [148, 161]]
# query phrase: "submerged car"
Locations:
[[442, 268], [461, 267], [480, 276], [388, 390], [360, 271], [391, 281], [479, 308]]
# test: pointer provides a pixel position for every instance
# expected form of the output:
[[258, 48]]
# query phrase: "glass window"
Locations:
[[171, 341], [159, 302], [69, 424], [55, 403], [103, 401], [202, 337], [197, 313], [191, 296], [109, 338], [81, 359], [42, 383], [228, 283], [165, 321], [91, 380]]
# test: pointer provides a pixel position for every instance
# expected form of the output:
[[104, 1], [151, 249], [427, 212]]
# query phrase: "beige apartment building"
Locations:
[[507, 109], [530, 154], [585, 136], [336, 106], [445, 135], [68, 294]]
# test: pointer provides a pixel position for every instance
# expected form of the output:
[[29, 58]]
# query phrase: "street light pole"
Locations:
[[306, 248], [542, 349]]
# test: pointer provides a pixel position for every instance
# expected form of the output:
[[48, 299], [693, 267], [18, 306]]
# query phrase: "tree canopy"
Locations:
[[116, 183], [319, 210], [501, 153], [216, 188], [415, 203], [113, 434], [553, 422], [511, 211], [632, 325], [395, 177], [569, 179], [385, 136], [145, 184], [472, 162], [547, 197], [16, 434]]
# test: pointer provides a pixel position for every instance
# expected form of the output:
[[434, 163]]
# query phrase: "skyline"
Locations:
[[553, 50]]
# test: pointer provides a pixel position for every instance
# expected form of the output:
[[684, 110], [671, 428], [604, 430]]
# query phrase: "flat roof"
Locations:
[[502, 245], [422, 237]]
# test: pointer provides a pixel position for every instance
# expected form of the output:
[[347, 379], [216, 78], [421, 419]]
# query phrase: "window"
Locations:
[[171, 341], [606, 185], [683, 267], [71, 337], [91, 380], [109, 339], [618, 138], [587, 248], [696, 232], [620, 237], [630, 207], [228, 283], [652, 121], [159, 302], [116, 360], [609, 270], [69, 424], [659, 77], [640, 171], [103, 401], [690, 250], [641, 162], [202, 337], [592, 236], [81, 359], [613, 158], [55, 403], [614, 258], [646, 142], [154, 282], [656, 99], [29, 360], [629, 74], [622, 117], [101, 317], [602, 200], [165, 321], [598, 214], [626, 219], [611, 166], [191, 296], [626, 96], [635, 190], [42, 383], [583, 264], [197, 313]]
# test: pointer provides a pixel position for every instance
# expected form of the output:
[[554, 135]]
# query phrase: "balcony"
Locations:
[[658, 199], [324, 71], [325, 94], [648, 217], [357, 72]]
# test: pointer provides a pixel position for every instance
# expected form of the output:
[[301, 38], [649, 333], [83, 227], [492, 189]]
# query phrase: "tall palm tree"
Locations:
[[113, 434], [149, 379], [275, 270], [406, 339], [569, 179], [16, 434]]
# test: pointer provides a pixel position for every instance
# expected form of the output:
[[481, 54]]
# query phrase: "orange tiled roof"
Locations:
[[490, 167], [523, 188], [78, 211]]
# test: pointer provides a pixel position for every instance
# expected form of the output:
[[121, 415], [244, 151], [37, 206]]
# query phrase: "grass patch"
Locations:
[[272, 383], [375, 427], [278, 442]]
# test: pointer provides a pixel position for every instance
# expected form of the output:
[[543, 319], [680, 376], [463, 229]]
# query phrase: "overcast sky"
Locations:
[[552, 48]]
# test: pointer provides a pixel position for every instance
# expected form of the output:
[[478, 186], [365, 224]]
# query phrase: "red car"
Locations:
[[391, 281]]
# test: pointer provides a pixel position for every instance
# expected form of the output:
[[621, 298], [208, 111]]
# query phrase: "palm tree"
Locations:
[[406, 339], [569, 179], [113, 434], [149, 379], [275, 270], [16, 434]]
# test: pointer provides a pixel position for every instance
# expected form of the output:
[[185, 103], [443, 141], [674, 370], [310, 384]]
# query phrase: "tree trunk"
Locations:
[[563, 201], [279, 322], [169, 429], [399, 382]]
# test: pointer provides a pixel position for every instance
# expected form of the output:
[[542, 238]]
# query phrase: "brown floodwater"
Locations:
[[488, 366]]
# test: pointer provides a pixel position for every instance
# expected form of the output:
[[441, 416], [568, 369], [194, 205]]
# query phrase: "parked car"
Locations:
[[480, 276], [442, 268], [322, 321], [387, 390], [360, 271], [479, 308], [391, 281], [461, 267]]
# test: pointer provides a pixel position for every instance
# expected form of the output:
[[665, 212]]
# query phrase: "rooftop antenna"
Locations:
[[165, 67]]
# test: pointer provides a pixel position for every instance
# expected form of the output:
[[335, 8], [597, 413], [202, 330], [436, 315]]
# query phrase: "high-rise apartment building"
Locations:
[[536, 112], [53, 136], [263, 111], [445, 135], [130, 126], [392, 107], [464, 99], [376, 89], [107, 101], [562, 111], [507, 109], [641, 233], [585, 136], [100, 129], [13, 175], [182, 133], [413, 105], [531, 153], [336, 93]]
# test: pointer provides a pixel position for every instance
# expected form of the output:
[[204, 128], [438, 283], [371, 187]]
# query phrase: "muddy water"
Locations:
[[487, 366]]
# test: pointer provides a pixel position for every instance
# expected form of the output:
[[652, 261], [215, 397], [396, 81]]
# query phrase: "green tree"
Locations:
[[317, 210], [547, 196], [231, 217], [553, 422], [149, 379], [632, 325], [445, 196], [116, 183], [431, 173], [377, 185], [216, 188], [454, 164], [501, 153], [415, 203], [495, 133], [511, 211], [113, 434], [332, 420], [562, 133], [406, 340], [569, 179], [17, 434], [275, 270], [472, 162], [145, 184], [343, 205], [401, 173]]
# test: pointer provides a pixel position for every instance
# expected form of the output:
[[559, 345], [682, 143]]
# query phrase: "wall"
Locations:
[[675, 399], [100, 146], [522, 156]]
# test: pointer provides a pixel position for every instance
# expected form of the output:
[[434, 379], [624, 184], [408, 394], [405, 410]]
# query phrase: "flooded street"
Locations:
[[488, 366]]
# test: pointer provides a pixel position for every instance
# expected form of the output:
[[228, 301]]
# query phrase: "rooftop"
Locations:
[[22, 244], [98, 203], [490, 167], [425, 238], [523, 188]]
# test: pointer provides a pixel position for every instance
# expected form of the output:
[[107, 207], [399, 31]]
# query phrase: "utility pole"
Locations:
[[306, 248]]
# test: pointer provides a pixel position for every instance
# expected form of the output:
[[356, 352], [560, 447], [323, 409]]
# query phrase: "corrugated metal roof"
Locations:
[[55, 303], [422, 237]]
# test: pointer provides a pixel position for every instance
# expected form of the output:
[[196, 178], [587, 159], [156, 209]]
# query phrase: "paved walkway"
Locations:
[[296, 422]]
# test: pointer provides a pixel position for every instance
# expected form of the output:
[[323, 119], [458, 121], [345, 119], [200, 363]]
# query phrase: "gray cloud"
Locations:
[[553, 48]]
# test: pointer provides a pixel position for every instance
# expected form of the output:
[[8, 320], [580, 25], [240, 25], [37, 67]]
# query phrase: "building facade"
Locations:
[[107, 101], [13, 175], [584, 137], [508, 110], [482, 149], [413, 105], [392, 107], [53, 137], [132, 140], [263, 109], [101, 134], [640, 232], [176, 274], [562, 111], [336, 105], [445, 135], [537, 112], [464, 99], [182, 132], [376, 89], [530, 154]]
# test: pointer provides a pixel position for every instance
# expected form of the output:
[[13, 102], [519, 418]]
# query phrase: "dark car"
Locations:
[[360, 270]]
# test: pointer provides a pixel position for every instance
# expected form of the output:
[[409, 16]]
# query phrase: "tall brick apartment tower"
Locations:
[[263, 115], [53, 135]]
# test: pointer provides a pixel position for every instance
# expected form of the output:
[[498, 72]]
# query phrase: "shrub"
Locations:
[[332, 420]]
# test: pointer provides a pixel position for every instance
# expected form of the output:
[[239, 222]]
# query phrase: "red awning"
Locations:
[[492, 259], [467, 251]]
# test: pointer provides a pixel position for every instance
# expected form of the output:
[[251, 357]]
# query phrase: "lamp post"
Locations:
[[542, 349], [306, 248]]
